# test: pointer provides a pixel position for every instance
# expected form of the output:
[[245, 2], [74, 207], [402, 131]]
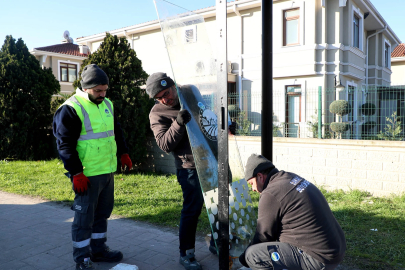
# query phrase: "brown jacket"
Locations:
[[170, 136]]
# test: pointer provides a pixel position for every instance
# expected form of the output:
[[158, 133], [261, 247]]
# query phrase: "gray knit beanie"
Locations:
[[255, 164], [92, 76], [158, 82]]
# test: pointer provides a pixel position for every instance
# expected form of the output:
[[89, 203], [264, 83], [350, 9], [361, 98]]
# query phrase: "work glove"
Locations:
[[80, 184], [126, 161], [183, 117], [232, 128]]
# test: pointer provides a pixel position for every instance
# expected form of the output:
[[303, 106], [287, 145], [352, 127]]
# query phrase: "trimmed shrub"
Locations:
[[368, 109], [131, 103], [340, 107], [25, 103], [233, 111], [339, 127]]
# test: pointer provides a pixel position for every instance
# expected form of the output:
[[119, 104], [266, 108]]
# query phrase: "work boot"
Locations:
[[189, 262], [213, 250], [86, 264], [107, 255]]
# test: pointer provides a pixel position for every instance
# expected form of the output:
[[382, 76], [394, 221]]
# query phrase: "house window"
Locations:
[[387, 55], [291, 27], [356, 31], [68, 72], [293, 111]]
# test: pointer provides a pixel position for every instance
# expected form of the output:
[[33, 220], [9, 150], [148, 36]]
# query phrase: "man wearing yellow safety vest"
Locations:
[[89, 139]]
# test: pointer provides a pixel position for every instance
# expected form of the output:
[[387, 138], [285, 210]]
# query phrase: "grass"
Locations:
[[157, 199]]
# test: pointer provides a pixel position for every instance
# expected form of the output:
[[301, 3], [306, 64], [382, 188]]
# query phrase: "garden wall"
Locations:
[[374, 166]]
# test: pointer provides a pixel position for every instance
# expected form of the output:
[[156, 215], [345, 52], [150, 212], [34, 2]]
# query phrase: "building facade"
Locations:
[[342, 46], [65, 60], [398, 65]]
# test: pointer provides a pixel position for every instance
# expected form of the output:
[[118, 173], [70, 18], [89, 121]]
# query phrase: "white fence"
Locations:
[[374, 166]]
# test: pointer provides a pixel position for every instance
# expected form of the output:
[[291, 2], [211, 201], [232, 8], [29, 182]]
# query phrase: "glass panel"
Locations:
[[293, 115], [64, 77], [356, 32], [292, 32], [194, 68], [388, 107], [350, 116], [72, 75], [292, 13], [293, 89]]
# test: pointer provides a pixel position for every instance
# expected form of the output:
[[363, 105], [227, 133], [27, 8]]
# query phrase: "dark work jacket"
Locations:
[[66, 128], [293, 210]]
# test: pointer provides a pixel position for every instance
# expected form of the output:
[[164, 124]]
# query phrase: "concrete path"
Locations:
[[35, 234]]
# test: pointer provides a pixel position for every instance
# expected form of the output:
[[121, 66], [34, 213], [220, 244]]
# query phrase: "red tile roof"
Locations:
[[399, 51], [64, 48]]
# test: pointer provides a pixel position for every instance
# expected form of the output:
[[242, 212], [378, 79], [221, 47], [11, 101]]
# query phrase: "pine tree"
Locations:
[[25, 98], [131, 103]]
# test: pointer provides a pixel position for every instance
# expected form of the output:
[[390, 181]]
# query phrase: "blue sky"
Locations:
[[42, 22]]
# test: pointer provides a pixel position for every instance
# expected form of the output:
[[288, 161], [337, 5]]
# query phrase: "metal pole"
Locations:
[[222, 105], [320, 112], [267, 79]]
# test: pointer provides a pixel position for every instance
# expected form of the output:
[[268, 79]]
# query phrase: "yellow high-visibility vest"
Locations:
[[96, 145]]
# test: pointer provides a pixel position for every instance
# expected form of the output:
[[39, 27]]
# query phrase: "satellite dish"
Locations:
[[70, 40], [66, 35]]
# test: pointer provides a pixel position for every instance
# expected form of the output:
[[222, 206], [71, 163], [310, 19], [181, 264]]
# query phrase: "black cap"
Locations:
[[158, 82], [92, 76], [255, 164]]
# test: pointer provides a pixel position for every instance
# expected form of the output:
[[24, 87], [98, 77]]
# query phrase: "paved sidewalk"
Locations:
[[35, 234]]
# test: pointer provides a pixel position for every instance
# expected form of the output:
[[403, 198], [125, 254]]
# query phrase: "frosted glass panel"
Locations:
[[193, 64]]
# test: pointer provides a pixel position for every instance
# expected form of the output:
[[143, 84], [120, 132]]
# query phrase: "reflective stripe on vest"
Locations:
[[87, 124]]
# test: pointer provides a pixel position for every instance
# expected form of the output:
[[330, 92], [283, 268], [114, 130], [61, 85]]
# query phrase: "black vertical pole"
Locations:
[[267, 79], [222, 109]]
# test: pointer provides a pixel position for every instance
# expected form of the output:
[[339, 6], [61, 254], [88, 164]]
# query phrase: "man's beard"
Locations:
[[97, 101]]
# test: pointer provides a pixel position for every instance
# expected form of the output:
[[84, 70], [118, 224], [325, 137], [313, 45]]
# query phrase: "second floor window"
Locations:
[[387, 55], [356, 32], [68, 72], [291, 25]]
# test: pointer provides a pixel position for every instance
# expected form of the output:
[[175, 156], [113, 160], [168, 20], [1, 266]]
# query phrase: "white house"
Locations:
[[343, 46], [398, 65], [65, 60]]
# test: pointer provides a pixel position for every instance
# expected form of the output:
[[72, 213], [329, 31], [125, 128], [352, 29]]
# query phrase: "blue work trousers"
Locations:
[[192, 203], [89, 227]]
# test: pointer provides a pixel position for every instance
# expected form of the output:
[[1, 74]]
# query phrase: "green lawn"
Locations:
[[157, 199]]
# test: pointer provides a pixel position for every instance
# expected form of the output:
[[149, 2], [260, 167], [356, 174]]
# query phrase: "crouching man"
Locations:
[[295, 227]]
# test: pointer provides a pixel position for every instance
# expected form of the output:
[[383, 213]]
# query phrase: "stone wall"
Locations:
[[374, 166]]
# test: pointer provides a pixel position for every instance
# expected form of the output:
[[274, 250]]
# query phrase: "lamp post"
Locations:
[[267, 79]]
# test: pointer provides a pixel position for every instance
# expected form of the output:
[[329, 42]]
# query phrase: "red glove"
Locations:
[[80, 184], [126, 161]]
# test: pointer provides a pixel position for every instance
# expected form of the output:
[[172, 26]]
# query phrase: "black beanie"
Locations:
[[157, 82], [255, 164], [92, 76]]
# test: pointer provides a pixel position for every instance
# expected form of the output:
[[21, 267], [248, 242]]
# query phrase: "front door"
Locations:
[[293, 112]]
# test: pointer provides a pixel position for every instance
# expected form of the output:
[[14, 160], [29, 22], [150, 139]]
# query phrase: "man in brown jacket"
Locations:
[[295, 227], [168, 123]]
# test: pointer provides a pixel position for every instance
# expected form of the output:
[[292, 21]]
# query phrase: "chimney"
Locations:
[[84, 49]]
